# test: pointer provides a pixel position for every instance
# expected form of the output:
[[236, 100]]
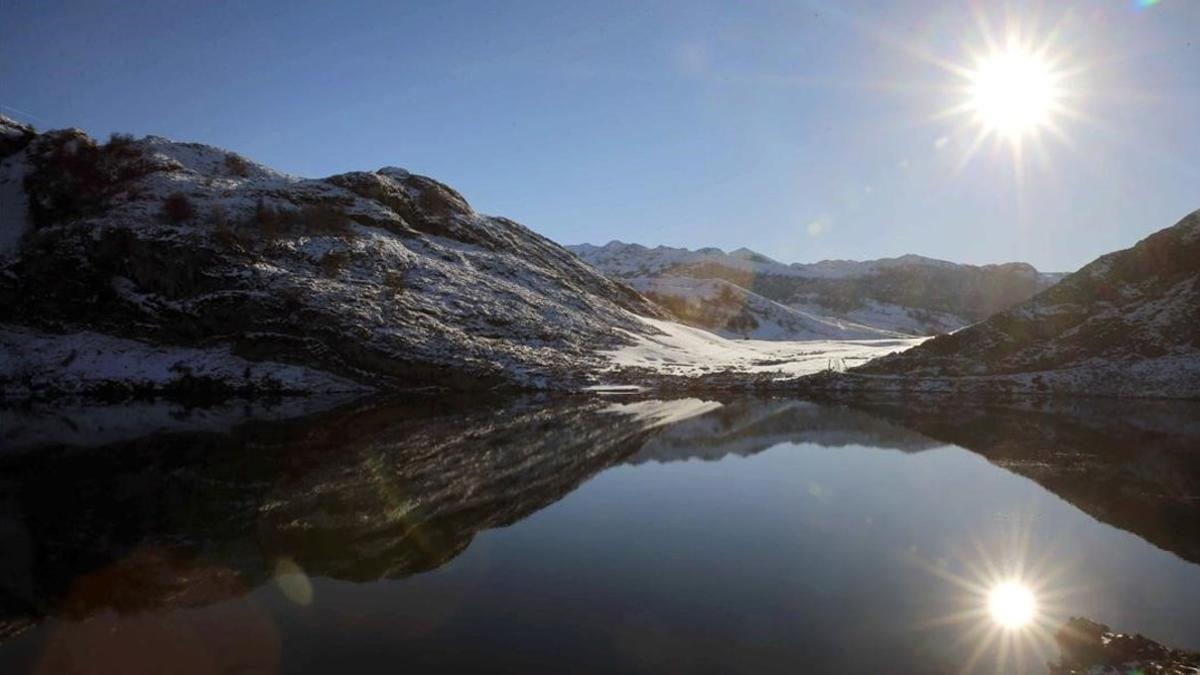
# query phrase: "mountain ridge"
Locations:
[[814, 269], [909, 294], [1128, 323], [381, 278]]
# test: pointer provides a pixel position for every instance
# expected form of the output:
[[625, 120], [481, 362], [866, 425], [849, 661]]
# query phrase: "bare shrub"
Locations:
[[395, 282], [224, 231], [119, 143], [236, 165], [325, 219], [334, 262], [219, 216], [267, 218], [177, 208]]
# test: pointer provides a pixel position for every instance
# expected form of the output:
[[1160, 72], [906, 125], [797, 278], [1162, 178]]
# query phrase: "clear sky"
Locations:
[[804, 130]]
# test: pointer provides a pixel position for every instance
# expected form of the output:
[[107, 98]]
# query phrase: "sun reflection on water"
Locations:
[[1008, 592]]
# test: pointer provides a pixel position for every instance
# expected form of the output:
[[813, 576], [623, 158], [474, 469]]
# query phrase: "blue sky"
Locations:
[[804, 130]]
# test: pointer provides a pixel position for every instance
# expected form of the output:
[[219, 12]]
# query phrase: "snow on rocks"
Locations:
[[910, 294], [37, 363], [1127, 324], [731, 311], [386, 279], [673, 349]]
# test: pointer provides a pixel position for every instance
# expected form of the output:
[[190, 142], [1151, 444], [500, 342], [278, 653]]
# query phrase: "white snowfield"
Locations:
[[685, 351]]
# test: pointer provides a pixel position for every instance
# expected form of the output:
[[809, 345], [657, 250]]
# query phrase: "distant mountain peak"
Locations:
[[910, 293]]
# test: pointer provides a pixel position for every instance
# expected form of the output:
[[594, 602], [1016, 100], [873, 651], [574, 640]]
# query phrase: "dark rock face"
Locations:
[[385, 278], [1088, 647], [1129, 322]]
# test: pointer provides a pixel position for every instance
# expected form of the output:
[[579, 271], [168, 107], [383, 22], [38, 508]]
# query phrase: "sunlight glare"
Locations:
[[1013, 92], [1011, 605]]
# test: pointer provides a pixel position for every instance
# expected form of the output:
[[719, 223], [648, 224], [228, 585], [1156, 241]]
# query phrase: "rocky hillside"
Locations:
[[1126, 324], [910, 294], [150, 264], [1088, 647]]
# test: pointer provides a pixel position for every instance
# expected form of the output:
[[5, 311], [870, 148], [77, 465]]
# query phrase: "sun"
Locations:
[[1013, 92], [1011, 605]]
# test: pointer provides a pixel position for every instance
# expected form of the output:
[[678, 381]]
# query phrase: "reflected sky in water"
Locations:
[[596, 536]]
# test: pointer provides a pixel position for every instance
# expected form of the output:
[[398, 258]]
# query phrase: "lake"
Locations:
[[590, 534]]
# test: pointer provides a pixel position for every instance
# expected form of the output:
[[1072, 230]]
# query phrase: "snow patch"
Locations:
[[79, 362], [683, 350]]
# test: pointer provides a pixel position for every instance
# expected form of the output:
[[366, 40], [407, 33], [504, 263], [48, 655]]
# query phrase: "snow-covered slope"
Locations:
[[674, 351], [382, 278], [910, 294], [1127, 324], [731, 311]]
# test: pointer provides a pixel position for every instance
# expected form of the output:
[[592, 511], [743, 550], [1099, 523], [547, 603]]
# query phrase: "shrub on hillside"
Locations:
[[268, 220], [236, 165], [333, 262], [74, 177], [325, 219], [118, 142], [177, 208], [395, 282], [218, 216], [224, 230]]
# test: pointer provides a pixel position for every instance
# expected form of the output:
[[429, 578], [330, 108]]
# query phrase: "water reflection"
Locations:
[[236, 540]]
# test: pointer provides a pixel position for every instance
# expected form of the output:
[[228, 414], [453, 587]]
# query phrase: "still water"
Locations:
[[590, 535]]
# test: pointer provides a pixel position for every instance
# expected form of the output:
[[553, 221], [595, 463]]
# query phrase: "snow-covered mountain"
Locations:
[[1126, 324], [910, 294], [151, 264], [730, 310]]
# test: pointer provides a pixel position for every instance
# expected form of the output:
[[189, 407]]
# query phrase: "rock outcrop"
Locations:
[[1090, 648], [383, 279], [1126, 324]]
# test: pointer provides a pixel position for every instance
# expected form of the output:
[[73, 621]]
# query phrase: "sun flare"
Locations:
[[1013, 92], [1011, 605]]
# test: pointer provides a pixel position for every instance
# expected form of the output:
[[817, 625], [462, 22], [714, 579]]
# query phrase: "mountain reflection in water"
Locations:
[[224, 540]]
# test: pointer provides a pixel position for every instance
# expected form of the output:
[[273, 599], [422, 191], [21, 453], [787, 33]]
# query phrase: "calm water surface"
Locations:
[[589, 535]]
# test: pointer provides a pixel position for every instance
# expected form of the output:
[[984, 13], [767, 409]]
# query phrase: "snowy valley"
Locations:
[[747, 293]]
